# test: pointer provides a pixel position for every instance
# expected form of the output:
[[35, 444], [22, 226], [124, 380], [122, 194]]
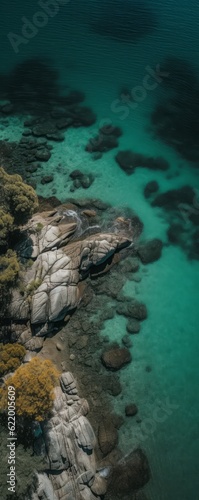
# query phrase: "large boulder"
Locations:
[[150, 251], [69, 441], [116, 357], [130, 474], [51, 284], [107, 436], [137, 310], [132, 309]]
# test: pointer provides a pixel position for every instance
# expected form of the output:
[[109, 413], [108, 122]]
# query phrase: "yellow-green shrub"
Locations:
[[11, 356], [33, 383], [20, 198], [6, 226], [9, 268]]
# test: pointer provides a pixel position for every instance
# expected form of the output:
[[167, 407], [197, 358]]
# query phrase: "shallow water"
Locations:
[[168, 342]]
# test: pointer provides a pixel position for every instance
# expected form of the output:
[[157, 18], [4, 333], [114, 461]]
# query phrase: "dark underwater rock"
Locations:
[[127, 341], [175, 233], [76, 174], [107, 436], [101, 144], [46, 179], [83, 116], [151, 188], [170, 123], [86, 181], [124, 21], [136, 310], [42, 154], [171, 199], [43, 129], [106, 140], [129, 160], [132, 309], [129, 474], [116, 357], [81, 179], [150, 251], [133, 326], [131, 410]]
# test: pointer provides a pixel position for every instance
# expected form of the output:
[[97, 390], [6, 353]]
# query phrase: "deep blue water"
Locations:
[[99, 50]]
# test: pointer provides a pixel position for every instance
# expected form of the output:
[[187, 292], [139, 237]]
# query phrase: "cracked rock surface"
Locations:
[[69, 442], [51, 284]]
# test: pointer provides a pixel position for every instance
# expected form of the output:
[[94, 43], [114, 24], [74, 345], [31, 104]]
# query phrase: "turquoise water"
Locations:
[[168, 342]]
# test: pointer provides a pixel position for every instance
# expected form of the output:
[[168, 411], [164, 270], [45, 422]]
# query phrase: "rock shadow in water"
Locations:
[[124, 21], [175, 119]]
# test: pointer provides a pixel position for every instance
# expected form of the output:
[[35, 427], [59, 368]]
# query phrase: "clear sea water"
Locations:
[[169, 340]]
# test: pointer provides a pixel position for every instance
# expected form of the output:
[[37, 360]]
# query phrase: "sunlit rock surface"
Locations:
[[51, 284], [70, 443]]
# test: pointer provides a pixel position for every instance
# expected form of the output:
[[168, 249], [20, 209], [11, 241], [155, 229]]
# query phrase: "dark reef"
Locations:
[[181, 211], [124, 21], [175, 119]]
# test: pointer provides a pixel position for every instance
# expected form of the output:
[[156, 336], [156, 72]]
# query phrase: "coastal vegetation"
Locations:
[[18, 201], [11, 356], [34, 383]]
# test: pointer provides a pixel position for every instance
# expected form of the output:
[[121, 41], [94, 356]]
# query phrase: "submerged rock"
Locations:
[[173, 198], [131, 410], [116, 357], [107, 436], [133, 326], [132, 309], [151, 188], [130, 474], [124, 21], [150, 251], [137, 310], [130, 160], [46, 179]]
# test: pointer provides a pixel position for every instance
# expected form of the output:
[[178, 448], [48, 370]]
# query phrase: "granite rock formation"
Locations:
[[69, 442], [60, 253]]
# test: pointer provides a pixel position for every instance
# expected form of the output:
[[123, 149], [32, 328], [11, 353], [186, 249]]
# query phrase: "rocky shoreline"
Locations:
[[48, 328]]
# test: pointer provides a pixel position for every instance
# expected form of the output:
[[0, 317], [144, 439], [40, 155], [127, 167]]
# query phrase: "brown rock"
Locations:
[[107, 437], [99, 486], [116, 357], [89, 213], [129, 474], [150, 251]]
